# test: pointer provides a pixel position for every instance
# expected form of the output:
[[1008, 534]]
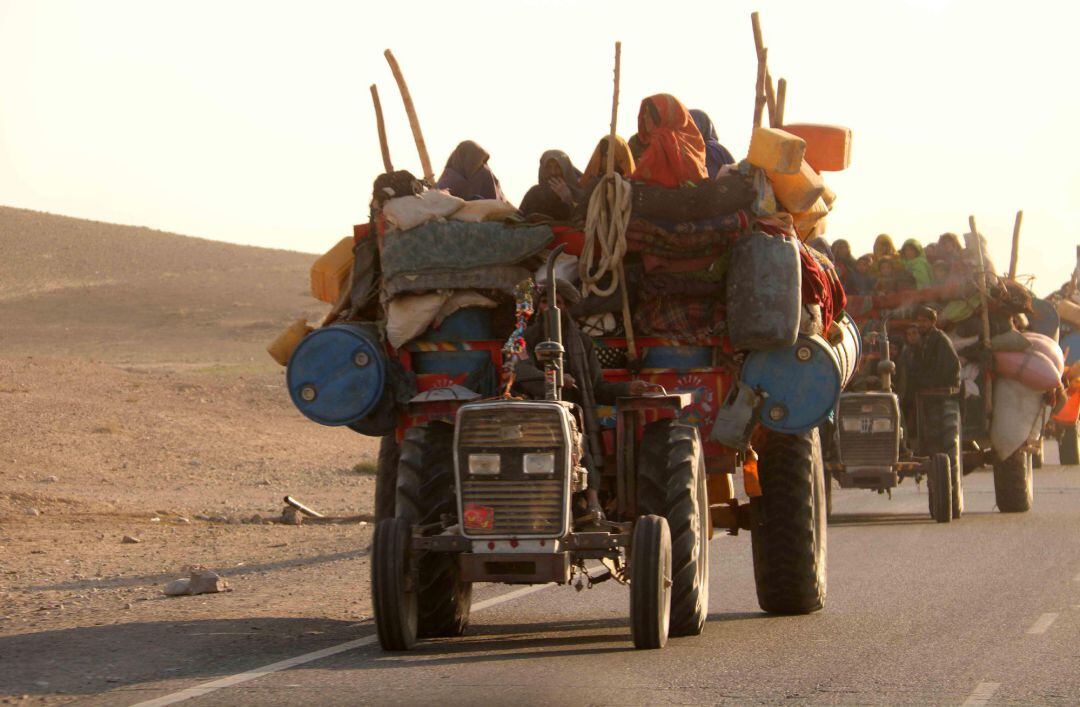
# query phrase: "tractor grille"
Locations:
[[492, 428], [864, 447], [519, 506], [868, 449]]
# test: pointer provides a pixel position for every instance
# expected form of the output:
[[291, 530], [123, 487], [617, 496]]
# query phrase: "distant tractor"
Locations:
[[869, 450]]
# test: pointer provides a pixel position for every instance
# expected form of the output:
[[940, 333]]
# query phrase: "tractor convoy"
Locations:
[[568, 392]]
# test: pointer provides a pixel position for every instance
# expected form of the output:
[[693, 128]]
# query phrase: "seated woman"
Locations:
[[674, 151], [716, 155], [558, 188], [467, 175]]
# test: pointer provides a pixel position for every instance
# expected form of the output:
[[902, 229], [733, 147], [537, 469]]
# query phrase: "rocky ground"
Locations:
[[145, 430]]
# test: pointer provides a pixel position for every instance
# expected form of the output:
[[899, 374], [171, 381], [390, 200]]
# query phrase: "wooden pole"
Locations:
[[781, 99], [766, 85], [387, 165], [628, 321], [418, 136], [614, 111], [760, 101], [1013, 260], [985, 301], [982, 282]]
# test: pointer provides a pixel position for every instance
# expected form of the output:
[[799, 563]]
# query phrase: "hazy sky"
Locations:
[[251, 122]]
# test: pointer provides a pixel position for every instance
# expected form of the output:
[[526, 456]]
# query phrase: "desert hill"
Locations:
[[72, 287]]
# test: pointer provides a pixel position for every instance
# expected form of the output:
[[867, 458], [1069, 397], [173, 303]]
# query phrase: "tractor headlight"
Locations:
[[882, 425], [484, 464], [539, 464], [850, 424]]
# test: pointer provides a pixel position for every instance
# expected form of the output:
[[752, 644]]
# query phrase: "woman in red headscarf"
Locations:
[[674, 149]]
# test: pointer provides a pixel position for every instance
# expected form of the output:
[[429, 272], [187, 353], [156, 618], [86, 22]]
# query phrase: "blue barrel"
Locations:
[[680, 358], [803, 382], [1071, 346], [337, 374], [1045, 319], [468, 324]]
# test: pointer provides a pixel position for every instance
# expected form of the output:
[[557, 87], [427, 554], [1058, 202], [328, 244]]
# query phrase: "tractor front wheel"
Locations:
[[650, 582]]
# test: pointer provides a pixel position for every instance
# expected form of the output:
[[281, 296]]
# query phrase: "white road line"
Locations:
[[1042, 623], [248, 675], [981, 694]]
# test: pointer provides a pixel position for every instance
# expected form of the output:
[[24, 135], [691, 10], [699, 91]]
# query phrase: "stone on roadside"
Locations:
[[33, 512], [130, 540], [178, 587], [200, 581], [207, 582], [50, 479]]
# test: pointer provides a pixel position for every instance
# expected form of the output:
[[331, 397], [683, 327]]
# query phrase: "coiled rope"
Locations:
[[605, 228]]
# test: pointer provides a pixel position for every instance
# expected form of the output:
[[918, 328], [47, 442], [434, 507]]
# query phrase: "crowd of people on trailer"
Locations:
[[887, 270], [673, 147]]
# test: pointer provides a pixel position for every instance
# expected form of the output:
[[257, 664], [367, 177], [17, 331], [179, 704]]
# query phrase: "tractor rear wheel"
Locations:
[[1069, 446], [788, 536], [671, 484], [1013, 483], [386, 477], [650, 582], [425, 493]]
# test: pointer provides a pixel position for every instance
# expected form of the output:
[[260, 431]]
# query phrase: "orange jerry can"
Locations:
[[331, 270], [828, 147]]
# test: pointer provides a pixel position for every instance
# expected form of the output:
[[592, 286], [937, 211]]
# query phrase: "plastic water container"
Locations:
[[797, 192], [331, 270], [806, 221], [337, 374], [776, 151], [828, 147], [281, 348], [764, 292], [680, 358], [468, 324], [802, 382]]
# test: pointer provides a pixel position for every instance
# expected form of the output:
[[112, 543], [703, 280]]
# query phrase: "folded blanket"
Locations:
[[449, 246], [727, 193], [500, 277]]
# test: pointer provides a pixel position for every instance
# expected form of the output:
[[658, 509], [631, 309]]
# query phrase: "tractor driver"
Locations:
[[584, 384], [935, 380]]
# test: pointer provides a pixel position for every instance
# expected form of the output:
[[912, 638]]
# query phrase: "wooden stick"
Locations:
[[759, 47], [1015, 245], [781, 100], [985, 300], [770, 97], [759, 102], [383, 146], [982, 282], [614, 111], [628, 322], [418, 136]]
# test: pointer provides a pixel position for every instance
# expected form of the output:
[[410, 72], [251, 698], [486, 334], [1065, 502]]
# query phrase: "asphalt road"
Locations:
[[985, 610]]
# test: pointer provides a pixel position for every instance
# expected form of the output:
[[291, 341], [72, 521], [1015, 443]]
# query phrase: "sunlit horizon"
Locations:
[[251, 123]]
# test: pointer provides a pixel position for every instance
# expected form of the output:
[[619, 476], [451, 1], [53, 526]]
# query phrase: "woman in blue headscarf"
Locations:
[[716, 155]]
